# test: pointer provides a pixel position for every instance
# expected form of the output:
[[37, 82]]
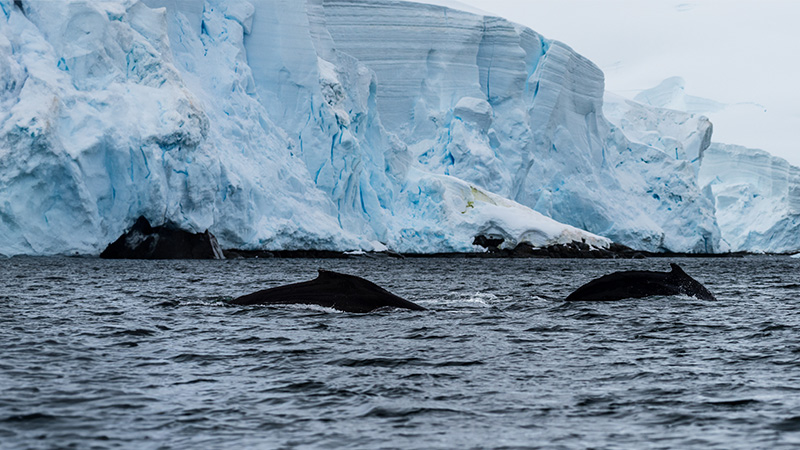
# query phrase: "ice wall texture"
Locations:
[[675, 132], [213, 115], [318, 124], [494, 103], [100, 126], [757, 198], [756, 195]]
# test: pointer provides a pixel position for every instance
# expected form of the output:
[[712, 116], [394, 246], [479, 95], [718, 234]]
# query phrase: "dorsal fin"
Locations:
[[343, 278], [330, 275], [676, 269]]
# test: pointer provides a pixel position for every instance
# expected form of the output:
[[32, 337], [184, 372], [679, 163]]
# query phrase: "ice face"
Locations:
[[756, 195], [675, 132], [757, 198], [498, 105], [282, 124], [111, 124]]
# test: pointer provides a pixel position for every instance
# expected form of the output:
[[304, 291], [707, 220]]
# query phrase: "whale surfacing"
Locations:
[[330, 290], [640, 284]]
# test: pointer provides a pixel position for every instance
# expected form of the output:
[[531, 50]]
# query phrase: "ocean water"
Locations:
[[146, 355]]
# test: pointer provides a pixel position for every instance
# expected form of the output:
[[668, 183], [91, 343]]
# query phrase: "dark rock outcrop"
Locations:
[[573, 250], [490, 243], [569, 250], [144, 241]]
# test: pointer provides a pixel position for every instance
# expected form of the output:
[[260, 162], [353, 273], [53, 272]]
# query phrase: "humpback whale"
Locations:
[[639, 284], [331, 290]]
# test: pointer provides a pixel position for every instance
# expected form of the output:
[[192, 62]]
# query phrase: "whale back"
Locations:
[[688, 285], [640, 284], [331, 290]]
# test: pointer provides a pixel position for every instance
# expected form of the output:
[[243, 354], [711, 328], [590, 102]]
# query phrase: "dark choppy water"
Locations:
[[138, 354]]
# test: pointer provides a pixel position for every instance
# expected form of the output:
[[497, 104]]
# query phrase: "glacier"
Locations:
[[756, 195], [323, 124], [671, 130]]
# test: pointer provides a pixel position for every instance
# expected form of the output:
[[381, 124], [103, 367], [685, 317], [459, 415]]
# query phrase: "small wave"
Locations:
[[776, 327], [202, 301], [206, 358], [672, 419], [108, 313], [373, 362], [297, 307], [303, 386], [630, 376], [791, 424], [123, 406], [732, 403], [424, 333], [421, 336], [135, 332], [169, 304], [457, 364], [546, 298], [592, 400], [588, 315], [546, 329], [196, 381], [151, 364], [473, 299], [431, 375], [389, 413], [55, 278], [33, 417], [482, 297]]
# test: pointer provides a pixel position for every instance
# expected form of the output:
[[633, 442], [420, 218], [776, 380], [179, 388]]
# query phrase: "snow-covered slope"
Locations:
[[757, 198], [332, 124]]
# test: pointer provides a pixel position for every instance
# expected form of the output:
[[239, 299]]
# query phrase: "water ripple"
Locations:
[[144, 354]]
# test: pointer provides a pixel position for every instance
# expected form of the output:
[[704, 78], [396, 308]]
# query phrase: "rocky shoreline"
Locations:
[[552, 252], [143, 241]]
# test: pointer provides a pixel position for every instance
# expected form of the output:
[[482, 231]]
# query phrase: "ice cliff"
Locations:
[[496, 104], [284, 124], [675, 132], [757, 198], [756, 195]]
